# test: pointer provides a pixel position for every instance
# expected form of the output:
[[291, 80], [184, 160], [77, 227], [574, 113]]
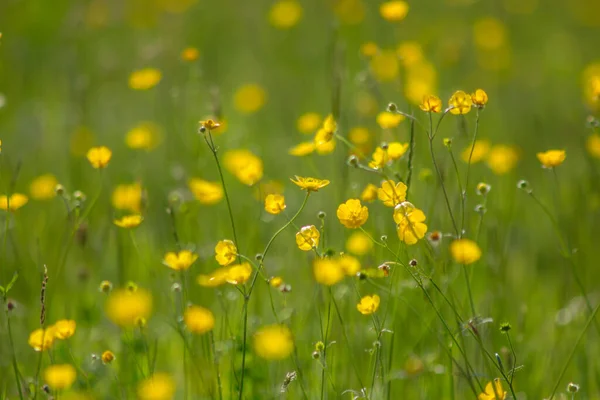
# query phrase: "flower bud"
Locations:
[[392, 107]]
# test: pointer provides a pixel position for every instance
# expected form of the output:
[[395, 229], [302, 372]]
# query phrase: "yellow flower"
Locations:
[[431, 103], [349, 265], [238, 274], [308, 123], [327, 271], [310, 184], [99, 156], [369, 49], [396, 150], [592, 145], [126, 307], [14, 202], [129, 221], [391, 193], [275, 204], [350, 12], [273, 342], [190, 54], [276, 281], [216, 278], [359, 243], [479, 98], [325, 147], [359, 135], [385, 66], [380, 158], [302, 149], [107, 357], [249, 98], [322, 137], [388, 120], [42, 187], [480, 149], [128, 197], [352, 214], [460, 102], [64, 329], [330, 125], [42, 339], [410, 220], [410, 53], [247, 167], [206, 192], [263, 189], [465, 251], [369, 193], [502, 159], [284, 14], [180, 261], [368, 304], [60, 376], [552, 158], [493, 391], [394, 11], [144, 79], [144, 136], [159, 386], [489, 33], [209, 124], [198, 319], [225, 252], [307, 238]]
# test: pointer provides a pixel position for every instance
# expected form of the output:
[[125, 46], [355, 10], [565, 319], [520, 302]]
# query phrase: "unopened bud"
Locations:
[[392, 107]]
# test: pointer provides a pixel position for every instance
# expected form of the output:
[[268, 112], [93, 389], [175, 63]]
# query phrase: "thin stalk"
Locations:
[[464, 193], [514, 362], [411, 153], [216, 364], [468, 281], [14, 356]]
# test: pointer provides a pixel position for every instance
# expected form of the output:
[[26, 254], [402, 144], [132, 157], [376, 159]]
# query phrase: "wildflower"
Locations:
[[276, 281], [592, 145], [349, 265], [64, 329], [159, 386], [493, 391], [380, 159], [190, 54], [144, 136], [14, 202], [128, 197], [475, 153], [209, 124], [42, 339], [368, 304], [394, 11], [125, 307], [129, 221], [369, 49], [42, 187], [359, 243], [302, 149], [388, 120], [216, 278], [483, 188], [431, 103], [107, 357], [479, 98], [144, 79], [225, 252], [460, 102], [359, 136], [322, 137], [180, 261], [308, 123], [502, 159], [327, 271], [105, 286], [275, 204], [206, 192], [245, 165], [391, 193], [307, 238], [369, 193], [249, 98], [552, 158], [198, 319], [410, 222], [238, 274], [99, 156], [310, 184], [385, 66], [396, 150], [273, 342], [465, 251], [60, 376], [352, 214], [284, 14]]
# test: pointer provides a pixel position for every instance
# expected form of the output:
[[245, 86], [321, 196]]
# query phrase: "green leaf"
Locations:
[[12, 282]]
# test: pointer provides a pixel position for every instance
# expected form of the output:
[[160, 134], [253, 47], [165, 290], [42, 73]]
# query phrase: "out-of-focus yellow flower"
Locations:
[[349, 265], [391, 193], [552, 158], [206, 192], [263, 189], [359, 243], [180, 261], [325, 147], [502, 159], [275, 204], [302, 149], [352, 214], [99, 157], [129, 221], [208, 124], [460, 102], [246, 166], [385, 66], [394, 11], [249, 98], [159, 386], [81, 141], [285, 14], [42, 187], [368, 304], [388, 120], [310, 184], [42, 339], [107, 357], [493, 391], [479, 98], [308, 123], [431, 103], [198, 319], [64, 329], [396, 150], [480, 149], [144, 79], [273, 342], [128, 197], [369, 193], [330, 124], [420, 80], [592, 145], [350, 12], [465, 251], [225, 252], [60, 376], [307, 238], [322, 137], [410, 222], [369, 49], [327, 271], [276, 281], [125, 307], [489, 33], [359, 136], [239, 274], [14, 202], [410, 53], [143, 136], [190, 54]]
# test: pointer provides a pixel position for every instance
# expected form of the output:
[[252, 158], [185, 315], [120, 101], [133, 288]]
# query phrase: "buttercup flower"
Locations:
[[180, 261], [479, 150], [391, 193], [410, 220], [42, 187], [42, 339], [431, 103], [310, 184], [396, 150], [128, 197], [225, 252], [107, 357], [274, 204], [592, 145], [302, 149], [129, 221], [394, 11], [14, 202], [144, 136], [308, 123], [368, 304], [198, 319], [384, 65], [359, 243], [479, 98], [206, 192], [380, 159], [465, 251], [159, 386], [326, 147], [327, 271], [125, 307], [307, 238], [249, 98], [284, 14], [348, 264], [99, 157], [238, 274], [273, 342], [209, 124], [144, 79], [460, 102], [493, 391], [352, 214], [276, 281], [60, 376], [389, 120], [552, 158], [245, 165], [64, 329], [502, 159], [369, 193]]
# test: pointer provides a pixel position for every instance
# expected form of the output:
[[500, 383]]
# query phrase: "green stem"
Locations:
[[14, 356], [468, 281], [216, 363], [464, 193]]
